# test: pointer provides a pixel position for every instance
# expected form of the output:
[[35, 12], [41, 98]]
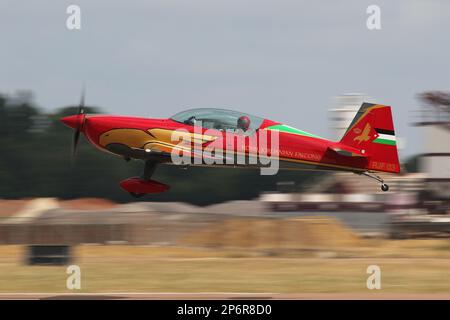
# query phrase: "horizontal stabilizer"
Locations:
[[347, 153]]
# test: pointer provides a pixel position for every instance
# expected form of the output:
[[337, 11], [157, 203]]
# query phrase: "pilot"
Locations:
[[243, 123]]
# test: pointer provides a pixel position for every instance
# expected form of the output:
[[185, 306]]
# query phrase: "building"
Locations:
[[434, 121]]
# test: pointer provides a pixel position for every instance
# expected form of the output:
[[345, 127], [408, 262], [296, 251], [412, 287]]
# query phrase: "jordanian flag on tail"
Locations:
[[385, 137]]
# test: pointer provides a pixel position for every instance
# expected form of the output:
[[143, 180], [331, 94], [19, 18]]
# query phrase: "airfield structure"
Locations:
[[434, 120]]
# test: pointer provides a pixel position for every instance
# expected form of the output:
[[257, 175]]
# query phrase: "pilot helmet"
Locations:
[[243, 123]]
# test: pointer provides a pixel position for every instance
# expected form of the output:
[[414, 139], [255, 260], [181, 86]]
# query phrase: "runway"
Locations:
[[223, 296]]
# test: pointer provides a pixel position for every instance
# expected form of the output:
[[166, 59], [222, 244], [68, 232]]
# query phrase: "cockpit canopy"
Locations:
[[219, 119]]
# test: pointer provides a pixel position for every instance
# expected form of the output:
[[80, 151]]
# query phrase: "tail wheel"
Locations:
[[384, 186]]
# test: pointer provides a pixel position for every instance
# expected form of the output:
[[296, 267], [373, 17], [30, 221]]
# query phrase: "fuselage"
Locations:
[[144, 138]]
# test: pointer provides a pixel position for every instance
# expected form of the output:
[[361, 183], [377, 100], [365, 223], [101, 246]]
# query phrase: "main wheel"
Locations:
[[384, 187], [137, 195]]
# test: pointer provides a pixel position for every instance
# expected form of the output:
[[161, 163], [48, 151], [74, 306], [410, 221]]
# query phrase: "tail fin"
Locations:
[[372, 132]]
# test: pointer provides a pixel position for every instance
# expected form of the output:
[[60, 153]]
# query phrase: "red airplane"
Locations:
[[367, 147]]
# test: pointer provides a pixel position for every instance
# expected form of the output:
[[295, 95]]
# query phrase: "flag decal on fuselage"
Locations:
[[385, 137]]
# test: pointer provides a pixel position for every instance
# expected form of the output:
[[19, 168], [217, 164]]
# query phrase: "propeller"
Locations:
[[81, 117]]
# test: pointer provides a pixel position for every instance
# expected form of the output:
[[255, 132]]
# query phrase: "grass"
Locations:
[[407, 266]]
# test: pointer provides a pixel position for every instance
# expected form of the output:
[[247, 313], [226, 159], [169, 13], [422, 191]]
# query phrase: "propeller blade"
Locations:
[[81, 105], [76, 135]]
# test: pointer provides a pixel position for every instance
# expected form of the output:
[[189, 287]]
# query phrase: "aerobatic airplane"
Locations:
[[367, 147]]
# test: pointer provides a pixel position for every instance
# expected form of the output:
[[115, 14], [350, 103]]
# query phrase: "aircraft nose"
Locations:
[[73, 122]]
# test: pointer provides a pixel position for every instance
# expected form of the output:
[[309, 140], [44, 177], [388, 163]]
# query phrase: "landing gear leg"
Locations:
[[149, 169], [384, 186]]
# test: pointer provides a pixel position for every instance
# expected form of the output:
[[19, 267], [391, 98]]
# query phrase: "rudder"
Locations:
[[372, 132]]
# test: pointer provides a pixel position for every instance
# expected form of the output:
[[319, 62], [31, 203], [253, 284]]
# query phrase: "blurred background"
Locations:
[[309, 65]]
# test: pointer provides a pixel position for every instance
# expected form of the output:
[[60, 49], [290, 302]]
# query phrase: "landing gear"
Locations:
[[137, 195], [384, 186], [149, 169], [140, 186]]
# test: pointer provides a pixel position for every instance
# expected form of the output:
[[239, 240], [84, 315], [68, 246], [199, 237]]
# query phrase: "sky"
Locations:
[[283, 60]]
